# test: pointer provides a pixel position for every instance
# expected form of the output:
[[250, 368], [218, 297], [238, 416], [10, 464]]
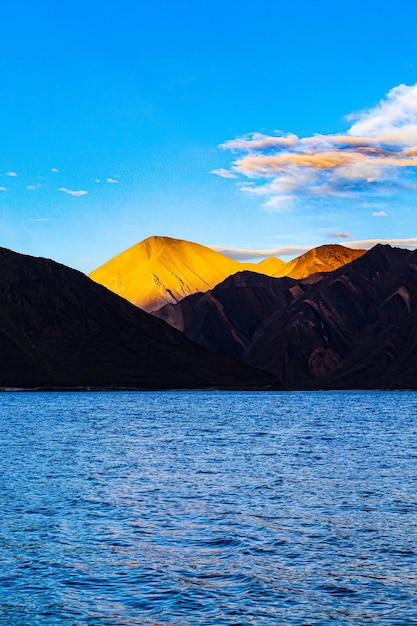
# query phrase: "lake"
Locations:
[[208, 508]]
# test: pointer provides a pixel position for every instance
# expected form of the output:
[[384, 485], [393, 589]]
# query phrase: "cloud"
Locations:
[[33, 187], [53, 169], [223, 173], [113, 181], [3, 189], [11, 174], [366, 244], [394, 119], [376, 154], [339, 235], [80, 192], [260, 142], [38, 219], [97, 180], [379, 214], [243, 254]]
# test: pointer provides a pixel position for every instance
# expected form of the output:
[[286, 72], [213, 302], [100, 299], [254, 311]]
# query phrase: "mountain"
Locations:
[[226, 318], [352, 328], [59, 329], [321, 259], [161, 270]]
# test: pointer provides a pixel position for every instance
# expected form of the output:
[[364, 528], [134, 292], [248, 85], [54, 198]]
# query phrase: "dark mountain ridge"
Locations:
[[59, 329], [354, 327]]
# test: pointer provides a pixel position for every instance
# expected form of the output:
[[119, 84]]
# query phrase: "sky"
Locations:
[[259, 128]]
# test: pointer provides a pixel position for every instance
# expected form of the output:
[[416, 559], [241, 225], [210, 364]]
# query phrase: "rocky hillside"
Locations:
[[351, 328], [162, 270], [60, 329]]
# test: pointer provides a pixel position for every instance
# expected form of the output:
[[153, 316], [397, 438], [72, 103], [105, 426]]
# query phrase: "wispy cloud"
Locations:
[[375, 154], [13, 174], [71, 192], [366, 244], [112, 181], [3, 189], [379, 214], [243, 254], [53, 169], [223, 173], [339, 236], [38, 219]]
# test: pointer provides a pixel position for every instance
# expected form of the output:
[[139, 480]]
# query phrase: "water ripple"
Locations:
[[208, 508]]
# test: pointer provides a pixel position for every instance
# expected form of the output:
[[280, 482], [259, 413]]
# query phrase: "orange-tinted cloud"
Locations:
[[380, 144]]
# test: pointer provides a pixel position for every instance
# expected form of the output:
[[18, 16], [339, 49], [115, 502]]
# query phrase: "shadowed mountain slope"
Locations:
[[226, 318], [60, 329], [352, 328], [161, 270]]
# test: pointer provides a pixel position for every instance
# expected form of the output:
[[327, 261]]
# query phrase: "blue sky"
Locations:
[[150, 99]]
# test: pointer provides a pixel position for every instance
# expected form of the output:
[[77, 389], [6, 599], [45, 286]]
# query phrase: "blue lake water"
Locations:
[[208, 508]]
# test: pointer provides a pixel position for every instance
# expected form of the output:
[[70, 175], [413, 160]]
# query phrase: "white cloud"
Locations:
[[53, 169], [97, 180], [366, 244], [71, 192], [3, 189], [376, 154], [379, 214], [33, 187], [113, 181], [38, 219], [394, 119], [244, 254], [279, 203], [223, 173], [13, 174], [260, 141]]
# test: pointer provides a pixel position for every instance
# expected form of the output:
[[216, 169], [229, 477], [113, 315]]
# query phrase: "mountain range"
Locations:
[[163, 270], [351, 328], [346, 328], [59, 329]]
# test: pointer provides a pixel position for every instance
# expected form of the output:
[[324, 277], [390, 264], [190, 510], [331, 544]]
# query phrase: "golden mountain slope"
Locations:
[[161, 270], [321, 259], [270, 266]]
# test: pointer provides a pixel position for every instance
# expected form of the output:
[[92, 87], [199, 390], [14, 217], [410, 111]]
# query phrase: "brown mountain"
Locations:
[[321, 259], [60, 329], [161, 270], [351, 328]]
